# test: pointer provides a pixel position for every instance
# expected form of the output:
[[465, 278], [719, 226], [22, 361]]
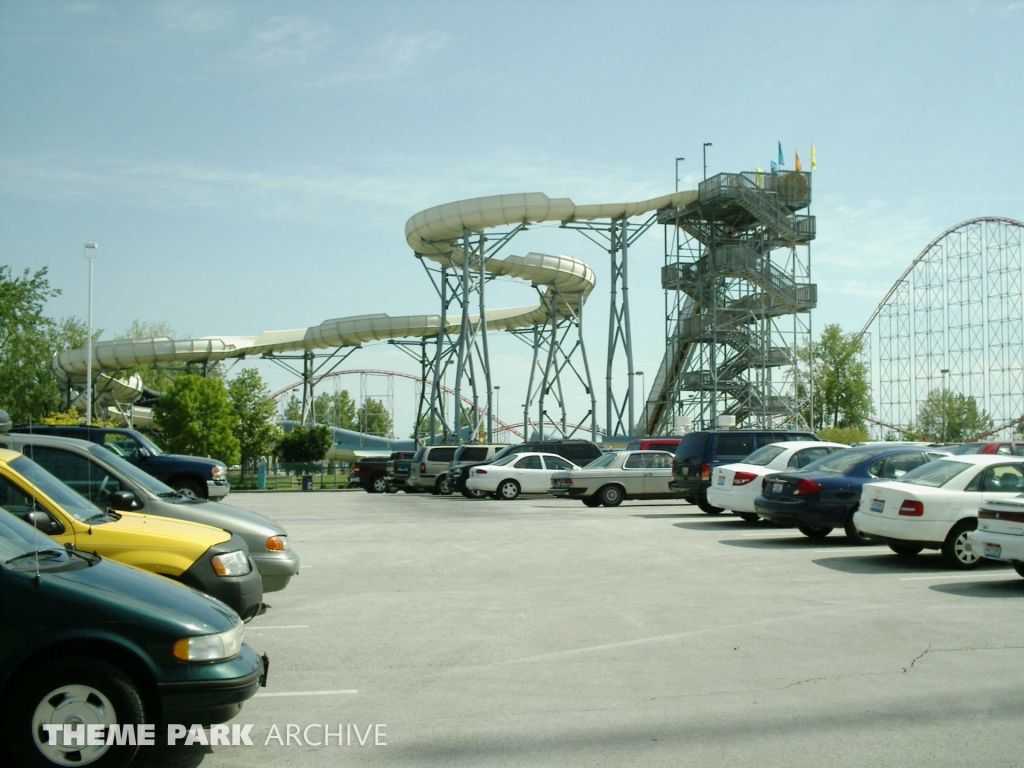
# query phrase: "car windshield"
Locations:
[[19, 538], [602, 461], [762, 456], [77, 506], [149, 445], [968, 448], [505, 460], [133, 473], [936, 474], [840, 462]]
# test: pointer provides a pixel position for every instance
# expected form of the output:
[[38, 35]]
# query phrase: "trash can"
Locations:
[[307, 482], [261, 476]]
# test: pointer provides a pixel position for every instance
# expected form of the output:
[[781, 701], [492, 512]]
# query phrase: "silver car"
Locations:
[[614, 477], [109, 481]]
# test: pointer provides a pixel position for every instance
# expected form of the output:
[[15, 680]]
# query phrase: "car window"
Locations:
[[936, 474], [734, 444], [122, 445], [1018, 449], [504, 460], [14, 499], [80, 474], [968, 448], [556, 462], [634, 461], [77, 506], [441, 454], [634, 446], [657, 461], [529, 462], [763, 456], [840, 462], [663, 446], [975, 484], [1003, 478], [897, 465], [418, 457], [802, 458], [693, 446], [473, 453], [1004, 449], [602, 461]]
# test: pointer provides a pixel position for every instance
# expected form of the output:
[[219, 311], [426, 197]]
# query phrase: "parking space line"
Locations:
[[306, 693], [281, 626], [956, 576]]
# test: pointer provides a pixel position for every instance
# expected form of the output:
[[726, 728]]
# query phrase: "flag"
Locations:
[[814, 159], [782, 160], [796, 163], [757, 176], [774, 167]]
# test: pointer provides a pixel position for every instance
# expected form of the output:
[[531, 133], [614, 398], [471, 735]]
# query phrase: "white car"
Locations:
[[735, 486], [1000, 534], [936, 505], [517, 473]]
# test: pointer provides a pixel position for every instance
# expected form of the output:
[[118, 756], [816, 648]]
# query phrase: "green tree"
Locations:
[[949, 417], [253, 408], [336, 409], [304, 445], [374, 418], [842, 390], [845, 435], [293, 409], [196, 417]]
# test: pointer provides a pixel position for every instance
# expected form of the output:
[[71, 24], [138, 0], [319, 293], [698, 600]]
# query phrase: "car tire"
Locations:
[[391, 488], [905, 550], [708, 508], [441, 487], [508, 490], [814, 532], [473, 494], [853, 535], [98, 691], [610, 495], [748, 517], [591, 501], [1019, 568], [189, 487], [954, 548], [378, 485]]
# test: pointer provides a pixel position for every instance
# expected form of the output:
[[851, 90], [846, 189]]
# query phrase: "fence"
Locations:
[[283, 476]]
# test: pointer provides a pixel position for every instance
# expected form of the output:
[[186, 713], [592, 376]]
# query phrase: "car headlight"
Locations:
[[277, 543], [223, 645], [218, 473], [231, 563]]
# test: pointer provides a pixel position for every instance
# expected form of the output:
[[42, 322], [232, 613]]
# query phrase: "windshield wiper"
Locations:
[[43, 554], [101, 517]]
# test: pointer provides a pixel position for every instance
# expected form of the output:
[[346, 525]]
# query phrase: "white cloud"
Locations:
[[286, 40], [80, 6], [385, 59], [191, 15]]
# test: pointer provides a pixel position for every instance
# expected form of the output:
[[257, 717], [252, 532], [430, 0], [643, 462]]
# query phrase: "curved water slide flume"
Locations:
[[431, 234]]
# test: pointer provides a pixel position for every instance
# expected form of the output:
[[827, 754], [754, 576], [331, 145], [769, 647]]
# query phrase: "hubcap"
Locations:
[[963, 554], [72, 705], [380, 484], [188, 492], [508, 491], [612, 494]]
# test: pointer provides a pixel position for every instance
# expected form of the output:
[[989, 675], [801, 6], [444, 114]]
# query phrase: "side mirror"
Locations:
[[43, 522], [143, 453], [124, 501]]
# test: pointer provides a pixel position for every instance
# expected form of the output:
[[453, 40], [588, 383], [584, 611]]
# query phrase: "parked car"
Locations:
[[191, 475], [826, 493], [700, 452], [86, 641], [579, 452], [467, 456], [398, 468], [517, 473], [616, 477], [209, 559], [654, 444], [370, 473], [936, 505], [736, 486], [108, 481], [429, 469], [1000, 533], [998, 447]]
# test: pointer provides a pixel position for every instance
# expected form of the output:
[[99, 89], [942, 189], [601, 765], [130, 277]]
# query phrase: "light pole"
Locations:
[[943, 402], [497, 403], [90, 255], [678, 161], [706, 145], [643, 392]]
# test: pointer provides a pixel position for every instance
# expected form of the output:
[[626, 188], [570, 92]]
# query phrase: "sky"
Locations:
[[250, 166]]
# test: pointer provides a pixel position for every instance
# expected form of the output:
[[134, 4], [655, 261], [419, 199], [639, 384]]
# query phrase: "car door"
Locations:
[[632, 475], [530, 474], [657, 473], [86, 477], [1002, 481]]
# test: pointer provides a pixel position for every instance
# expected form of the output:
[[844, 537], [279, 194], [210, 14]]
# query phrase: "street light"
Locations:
[[90, 255], [678, 161], [706, 145], [497, 403], [943, 402]]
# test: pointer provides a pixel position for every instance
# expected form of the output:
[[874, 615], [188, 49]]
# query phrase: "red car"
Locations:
[[999, 447]]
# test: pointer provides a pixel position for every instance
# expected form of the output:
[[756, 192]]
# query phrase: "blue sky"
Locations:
[[250, 166]]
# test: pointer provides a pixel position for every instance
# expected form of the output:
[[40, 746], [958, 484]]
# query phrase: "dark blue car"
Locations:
[[825, 494]]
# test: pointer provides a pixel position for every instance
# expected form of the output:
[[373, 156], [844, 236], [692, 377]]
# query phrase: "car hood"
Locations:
[[159, 531], [217, 514]]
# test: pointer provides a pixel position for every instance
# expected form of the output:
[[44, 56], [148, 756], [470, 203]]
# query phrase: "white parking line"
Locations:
[[955, 576], [281, 626], [306, 693]]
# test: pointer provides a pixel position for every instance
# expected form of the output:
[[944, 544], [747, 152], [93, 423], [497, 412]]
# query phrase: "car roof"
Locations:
[[8, 455], [26, 437], [982, 458], [797, 444]]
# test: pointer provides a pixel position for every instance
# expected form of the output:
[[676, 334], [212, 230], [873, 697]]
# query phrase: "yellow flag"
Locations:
[[796, 163], [814, 159], [757, 176]]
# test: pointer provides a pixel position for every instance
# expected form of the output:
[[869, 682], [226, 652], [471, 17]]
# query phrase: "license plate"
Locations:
[[777, 487], [993, 550], [877, 505], [721, 480], [685, 471]]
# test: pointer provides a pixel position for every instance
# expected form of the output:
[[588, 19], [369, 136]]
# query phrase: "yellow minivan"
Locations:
[[209, 559]]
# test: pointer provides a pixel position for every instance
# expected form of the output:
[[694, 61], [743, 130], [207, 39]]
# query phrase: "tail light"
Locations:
[[565, 481], [705, 471], [805, 487], [481, 472], [911, 508], [423, 468], [355, 469], [742, 478]]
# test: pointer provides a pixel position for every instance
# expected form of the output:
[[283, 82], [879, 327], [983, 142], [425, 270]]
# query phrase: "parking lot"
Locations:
[[542, 633]]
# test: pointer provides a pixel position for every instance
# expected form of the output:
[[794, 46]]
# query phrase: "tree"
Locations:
[[253, 409], [336, 409], [304, 444], [196, 417], [949, 417], [374, 418], [293, 409], [842, 396], [845, 435]]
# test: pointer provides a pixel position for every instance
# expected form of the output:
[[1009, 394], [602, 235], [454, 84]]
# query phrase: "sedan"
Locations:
[[826, 493], [613, 477], [517, 473], [936, 505], [1000, 534], [736, 486]]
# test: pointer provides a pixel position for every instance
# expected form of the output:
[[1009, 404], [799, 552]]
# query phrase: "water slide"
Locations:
[[430, 234]]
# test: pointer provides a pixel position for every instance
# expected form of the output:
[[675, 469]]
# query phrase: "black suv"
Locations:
[[579, 452], [700, 452]]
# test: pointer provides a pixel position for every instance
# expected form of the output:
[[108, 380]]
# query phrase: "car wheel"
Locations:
[[610, 495], [905, 550], [190, 488], [591, 501], [748, 517], [441, 486], [378, 485], [507, 490], [956, 549], [707, 508], [852, 534], [814, 532], [73, 691], [1019, 568], [390, 488], [473, 494]]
